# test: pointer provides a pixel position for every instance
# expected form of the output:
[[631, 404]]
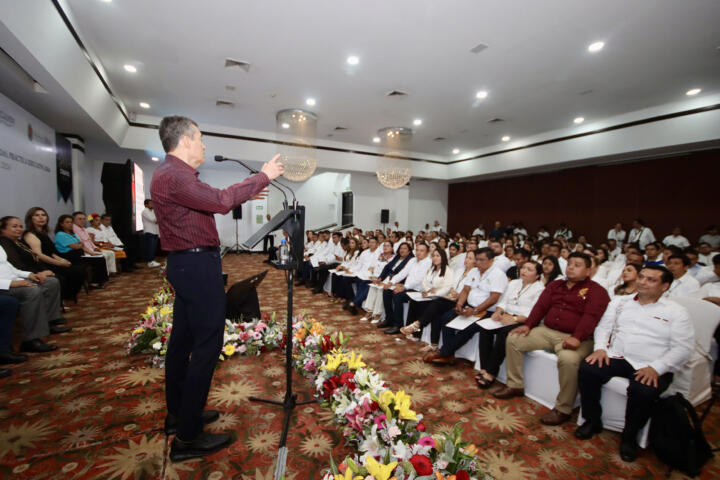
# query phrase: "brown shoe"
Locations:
[[554, 417], [508, 392], [437, 359]]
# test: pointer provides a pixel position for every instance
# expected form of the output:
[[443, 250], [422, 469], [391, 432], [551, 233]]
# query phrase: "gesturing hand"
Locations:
[[598, 356], [647, 376], [273, 168]]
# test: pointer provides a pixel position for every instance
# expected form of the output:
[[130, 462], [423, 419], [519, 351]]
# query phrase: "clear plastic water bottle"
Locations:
[[284, 252]]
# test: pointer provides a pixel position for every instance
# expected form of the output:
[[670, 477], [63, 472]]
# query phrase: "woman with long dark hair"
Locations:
[[550, 269]]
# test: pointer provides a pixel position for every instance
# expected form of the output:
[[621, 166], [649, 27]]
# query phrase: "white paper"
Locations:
[[489, 324], [461, 323], [417, 296]]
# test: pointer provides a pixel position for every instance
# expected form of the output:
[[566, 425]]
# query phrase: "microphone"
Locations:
[[220, 158]]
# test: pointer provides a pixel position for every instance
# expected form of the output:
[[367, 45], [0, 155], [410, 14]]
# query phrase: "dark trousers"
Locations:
[[272, 254], [9, 307], [492, 347], [342, 287], [641, 398], [393, 303], [268, 240], [151, 243], [319, 275], [97, 268], [434, 315], [416, 310], [71, 279], [361, 293], [454, 339], [197, 335]]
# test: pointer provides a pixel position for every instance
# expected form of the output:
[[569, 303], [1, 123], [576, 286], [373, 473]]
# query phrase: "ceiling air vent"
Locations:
[[237, 64], [478, 48], [339, 128], [496, 120], [439, 139], [396, 93], [224, 104]]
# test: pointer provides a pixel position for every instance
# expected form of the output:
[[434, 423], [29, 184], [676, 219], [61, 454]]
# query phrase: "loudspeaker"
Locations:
[[347, 208], [237, 213], [384, 215]]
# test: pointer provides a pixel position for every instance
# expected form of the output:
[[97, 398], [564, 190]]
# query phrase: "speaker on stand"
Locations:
[[237, 215], [384, 217]]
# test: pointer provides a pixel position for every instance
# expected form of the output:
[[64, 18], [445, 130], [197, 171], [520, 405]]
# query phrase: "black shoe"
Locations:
[[36, 346], [392, 330], [628, 450], [172, 422], [588, 429], [55, 329], [58, 321], [202, 445], [317, 290], [10, 357], [353, 310], [346, 306], [383, 324], [5, 372], [299, 283], [417, 334]]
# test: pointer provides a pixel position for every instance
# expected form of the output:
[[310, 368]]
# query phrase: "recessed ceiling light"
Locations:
[[481, 94], [107, 1], [376, 139], [310, 102], [353, 60], [693, 91], [285, 125], [596, 47], [144, 105], [130, 68], [456, 151], [417, 122], [505, 138], [578, 120], [155, 159]]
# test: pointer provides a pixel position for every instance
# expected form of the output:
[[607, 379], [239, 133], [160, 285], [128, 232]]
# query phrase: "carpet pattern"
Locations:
[[88, 411]]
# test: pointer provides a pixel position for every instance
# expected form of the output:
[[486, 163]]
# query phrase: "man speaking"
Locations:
[[184, 207]]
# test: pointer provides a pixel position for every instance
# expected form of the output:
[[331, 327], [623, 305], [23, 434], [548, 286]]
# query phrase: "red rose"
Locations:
[[330, 385], [421, 427], [342, 467], [462, 475], [374, 406], [423, 465]]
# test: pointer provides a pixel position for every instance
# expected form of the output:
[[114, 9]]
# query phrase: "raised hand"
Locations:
[[274, 168]]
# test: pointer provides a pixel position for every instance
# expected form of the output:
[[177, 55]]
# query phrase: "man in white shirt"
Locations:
[[617, 233], [563, 231], [705, 254], [676, 239], [477, 299], [683, 284], [109, 231], [711, 237], [520, 231], [644, 338], [151, 233], [613, 250], [329, 253], [437, 227], [543, 233], [480, 230], [555, 252], [641, 234], [500, 261], [412, 276]]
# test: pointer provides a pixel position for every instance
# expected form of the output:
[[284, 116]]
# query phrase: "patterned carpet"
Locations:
[[90, 411]]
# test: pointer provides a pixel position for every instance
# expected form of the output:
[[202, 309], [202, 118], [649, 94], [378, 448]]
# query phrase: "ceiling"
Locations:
[[537, 70]]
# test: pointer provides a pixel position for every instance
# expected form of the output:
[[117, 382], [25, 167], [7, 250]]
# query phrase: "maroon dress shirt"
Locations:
[[575, 311], [184, 206]]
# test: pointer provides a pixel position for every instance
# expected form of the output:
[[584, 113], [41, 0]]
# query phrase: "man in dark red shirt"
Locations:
[[184, 207], [571, 309]]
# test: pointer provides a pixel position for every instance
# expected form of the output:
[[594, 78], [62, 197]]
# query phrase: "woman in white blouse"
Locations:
[[437, 283], [349, 262], [512, 310]]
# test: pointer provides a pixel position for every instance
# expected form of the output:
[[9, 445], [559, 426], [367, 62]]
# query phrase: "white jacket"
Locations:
[[440, 285]]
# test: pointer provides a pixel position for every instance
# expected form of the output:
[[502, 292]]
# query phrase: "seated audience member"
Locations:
[[456, 258], [362, 271], [563, 231], [328, 254], [521, 257], [497, 232], [641, 234], [692, 255], [582, 240], [709, 274], [653, 254], [22, 258], [38, 305], [79, 221], [570, 308], [101, 238], [480, 230], [711, 237], [352, 252], [629, 281], [70, 248], [374, 301], [631, 343], [711, 293], [543, 233], [476, 300], [550, 270], [683, 284], [676, 238], [706, 254], [557, 251], [500, 261], [617, 234], [379, 261], [437, 227], [412, 277], [9, 307], [614, 250], [512, 310]]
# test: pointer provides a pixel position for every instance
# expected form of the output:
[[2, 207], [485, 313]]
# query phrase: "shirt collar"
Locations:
[[175, 161]]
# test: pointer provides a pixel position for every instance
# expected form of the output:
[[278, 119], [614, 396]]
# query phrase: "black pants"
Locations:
[[319, 275], [434, 316], [641, 398], [197, 335], [342, 287], [268, 239], [71, 278], [492, 347], [454, 339], [393, 303]]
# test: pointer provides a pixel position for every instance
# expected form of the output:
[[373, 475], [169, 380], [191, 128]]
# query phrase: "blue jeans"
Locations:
[[151, 243]]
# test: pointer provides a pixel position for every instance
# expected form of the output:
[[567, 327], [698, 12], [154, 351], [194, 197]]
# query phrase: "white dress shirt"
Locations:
[[413, 273], [614, 254], [111, 235], [565, 232], [659, 335], [501, 262], [8, 273], [643, 236], [619, 237], [677, 240], [519, 300], [707, 259], [709, 290], [712, 240], [563, 264], [457, 263], [479, 231], [520, 232], [149, 221], [685, 286], [493, 280], [98, 234], [543, 234], [706, 275], [440, 285], [366, 263]]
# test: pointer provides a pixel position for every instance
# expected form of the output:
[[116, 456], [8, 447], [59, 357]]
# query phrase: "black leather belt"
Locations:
[[196, 250]]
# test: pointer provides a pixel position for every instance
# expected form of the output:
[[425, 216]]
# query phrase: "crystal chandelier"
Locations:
[[394, 177], [391, 173], [299, 159]]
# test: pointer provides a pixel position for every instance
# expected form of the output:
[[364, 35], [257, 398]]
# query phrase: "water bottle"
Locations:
[[284, 252]]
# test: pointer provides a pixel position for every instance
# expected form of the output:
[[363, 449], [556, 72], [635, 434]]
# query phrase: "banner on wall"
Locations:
[[63, 160]]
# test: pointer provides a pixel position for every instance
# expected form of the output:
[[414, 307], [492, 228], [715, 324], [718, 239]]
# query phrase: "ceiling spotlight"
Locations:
[[144, 105], [456, 151], [353, 60], [376, 139], [130, 68], [578, 120], [505, 138], [285, 125], [693, 91], [107, 1], [310, 102], [417, 122], [481, 94], [155, 159], [596, 47]]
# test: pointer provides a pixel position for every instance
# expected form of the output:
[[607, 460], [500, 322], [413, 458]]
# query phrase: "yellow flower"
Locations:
[[378, 470], [229, 350], [317, 329], [333, 361], [300, 334], [165, 310], [354, 362], [139, 330], [470, 450], [402, 405], [348, 476], [150, 310]]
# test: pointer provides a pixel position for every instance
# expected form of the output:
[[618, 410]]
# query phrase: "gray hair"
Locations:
[[172, 129]]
